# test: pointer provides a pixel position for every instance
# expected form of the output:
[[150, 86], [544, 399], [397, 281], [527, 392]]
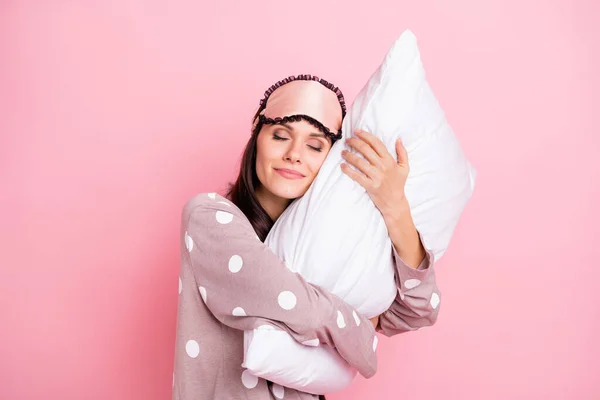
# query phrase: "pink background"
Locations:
[[114, 114]]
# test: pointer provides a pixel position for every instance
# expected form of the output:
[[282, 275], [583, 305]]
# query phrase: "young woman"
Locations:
[[230, 281]]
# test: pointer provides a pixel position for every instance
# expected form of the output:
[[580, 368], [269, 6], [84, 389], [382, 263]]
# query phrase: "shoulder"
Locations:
[[212, 208]]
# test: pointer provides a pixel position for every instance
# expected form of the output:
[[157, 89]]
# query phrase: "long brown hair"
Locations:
[[242, 192]]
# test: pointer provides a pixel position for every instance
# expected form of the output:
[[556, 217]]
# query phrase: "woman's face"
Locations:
[[289, 156]]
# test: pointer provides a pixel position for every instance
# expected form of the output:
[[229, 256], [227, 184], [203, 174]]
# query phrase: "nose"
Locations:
[[292, 154]]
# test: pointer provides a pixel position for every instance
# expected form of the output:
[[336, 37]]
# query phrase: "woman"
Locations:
[[230, 281]]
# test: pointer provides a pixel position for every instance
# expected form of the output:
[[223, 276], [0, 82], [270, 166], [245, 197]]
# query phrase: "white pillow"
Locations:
[[335, 237]]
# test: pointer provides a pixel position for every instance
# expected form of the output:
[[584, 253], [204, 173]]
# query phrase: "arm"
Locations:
[[417, 303], [246, 285]]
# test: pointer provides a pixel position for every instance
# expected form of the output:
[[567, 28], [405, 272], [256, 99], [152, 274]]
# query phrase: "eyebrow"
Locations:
[[313, 134]]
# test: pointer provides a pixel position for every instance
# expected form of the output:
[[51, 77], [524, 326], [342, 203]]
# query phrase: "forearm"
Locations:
[[417, 302], [404, 235], [245, 285]]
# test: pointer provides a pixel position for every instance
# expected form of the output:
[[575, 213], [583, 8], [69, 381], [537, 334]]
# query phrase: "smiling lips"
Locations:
[[289, 174]]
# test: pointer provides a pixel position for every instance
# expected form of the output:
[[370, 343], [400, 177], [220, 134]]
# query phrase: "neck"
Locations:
[[273, 205]]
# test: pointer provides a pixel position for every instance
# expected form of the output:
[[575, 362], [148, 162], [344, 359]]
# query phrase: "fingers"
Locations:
[[375, 321], [360, 163], [374, 142], [401, 153], [356, 176], [365, 149]]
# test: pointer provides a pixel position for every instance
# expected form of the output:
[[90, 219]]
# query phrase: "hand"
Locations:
[[378, 172], [375, 321]]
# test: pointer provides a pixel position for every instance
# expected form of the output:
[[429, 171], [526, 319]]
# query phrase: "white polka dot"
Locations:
[[203, 293], [401, 296], [250, 381], [340, 320], [312, 342], [189, 243], [278, 391], [235, 263], [411, 283], [287, 300], [239, 312], [375, 341], [356, 319], [192, 348], [212, 195], [180, 285], [435, 300], [224, 217], [224, 202]]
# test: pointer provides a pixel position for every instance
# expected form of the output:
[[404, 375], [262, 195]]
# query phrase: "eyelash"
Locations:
[[275, 137]]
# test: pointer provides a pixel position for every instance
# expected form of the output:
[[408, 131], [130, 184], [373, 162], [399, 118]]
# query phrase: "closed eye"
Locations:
[[275, 137]]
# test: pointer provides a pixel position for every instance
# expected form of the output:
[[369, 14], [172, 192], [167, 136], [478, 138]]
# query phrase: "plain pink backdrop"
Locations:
[[114, 113]]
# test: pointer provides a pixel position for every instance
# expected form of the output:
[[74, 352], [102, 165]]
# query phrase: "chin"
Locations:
[[288, 191]]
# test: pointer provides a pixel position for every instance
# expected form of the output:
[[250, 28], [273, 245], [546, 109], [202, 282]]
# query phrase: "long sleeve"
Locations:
[[245, 285], [278, 358], [417, 302]]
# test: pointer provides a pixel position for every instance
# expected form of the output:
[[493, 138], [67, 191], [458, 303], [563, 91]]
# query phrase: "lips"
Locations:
[[289, 174]]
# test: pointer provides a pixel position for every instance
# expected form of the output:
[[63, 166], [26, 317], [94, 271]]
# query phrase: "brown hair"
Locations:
[[242, 192]]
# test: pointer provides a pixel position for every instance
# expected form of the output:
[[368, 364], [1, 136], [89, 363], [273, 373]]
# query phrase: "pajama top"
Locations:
[[230, 281]]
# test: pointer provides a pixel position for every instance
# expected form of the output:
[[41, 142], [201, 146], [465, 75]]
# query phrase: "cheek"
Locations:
[[262, 150], [260, 160], [316, 162], [265, 154], [268, 151]]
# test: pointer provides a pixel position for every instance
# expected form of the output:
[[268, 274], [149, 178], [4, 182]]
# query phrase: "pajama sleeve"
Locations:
[[417, 301], [245, 285]]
